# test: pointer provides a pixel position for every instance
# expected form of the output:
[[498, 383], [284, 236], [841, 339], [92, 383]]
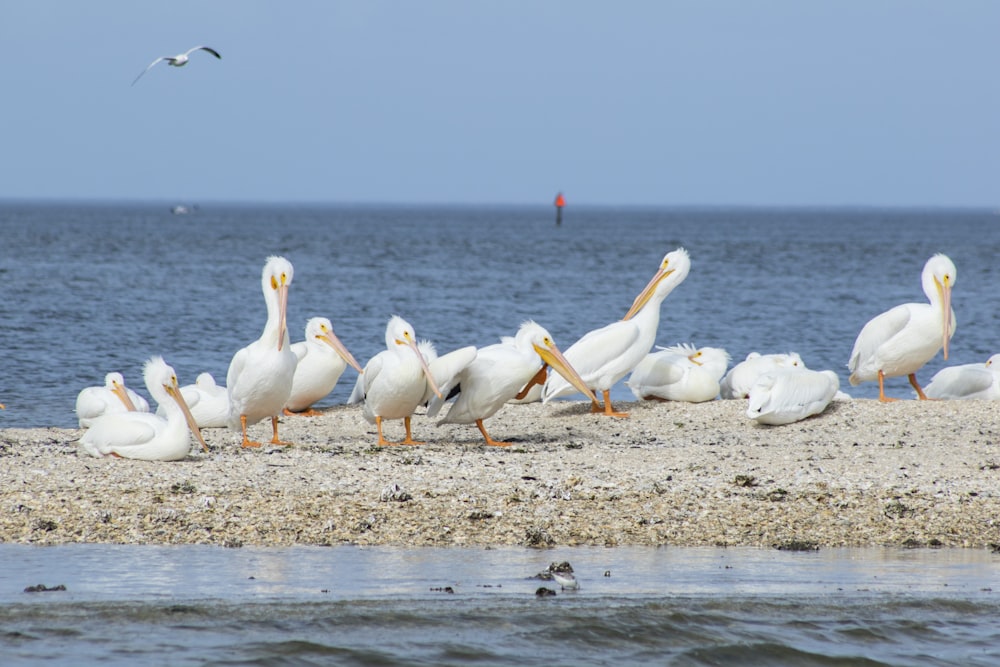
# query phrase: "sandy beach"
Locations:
[[912, 473]]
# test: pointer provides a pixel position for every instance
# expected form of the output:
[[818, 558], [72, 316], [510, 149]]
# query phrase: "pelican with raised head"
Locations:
[[901, 340], [260, 375], [142, 435], [606, 355]]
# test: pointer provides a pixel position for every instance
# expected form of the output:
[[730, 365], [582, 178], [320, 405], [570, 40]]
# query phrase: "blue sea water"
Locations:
[[385, 606], [95, 288], [92, 288]]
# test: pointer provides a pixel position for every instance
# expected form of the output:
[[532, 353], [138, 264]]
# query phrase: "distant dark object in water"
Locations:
[[544, 592], [42, 588]]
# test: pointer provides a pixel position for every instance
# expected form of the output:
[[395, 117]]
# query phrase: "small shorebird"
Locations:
[[180, 60]]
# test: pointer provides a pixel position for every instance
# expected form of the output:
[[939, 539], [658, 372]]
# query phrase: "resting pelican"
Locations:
[[114, 396], [604, 356], [322, 360], [180, 60], [394, 381], [145, 436], [901, 340], [739, 379], [504, 371], [679, 373], [786, 395], [208, 402], [967, 382], [259, 380]]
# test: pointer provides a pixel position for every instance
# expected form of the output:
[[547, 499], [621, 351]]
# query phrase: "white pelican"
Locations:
[[786, 395], [208, 402], [901, 340], [180, 60], [322, 360], [259, 380], [739, 379], [394, 381], [114, 396], [967, 382], [503, 371], [679, 373], [145, 436], [606, 355]]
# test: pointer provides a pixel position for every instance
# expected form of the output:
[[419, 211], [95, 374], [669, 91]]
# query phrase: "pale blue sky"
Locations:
[[659, 102]]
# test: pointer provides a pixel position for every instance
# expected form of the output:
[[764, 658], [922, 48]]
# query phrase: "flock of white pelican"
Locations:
[[270, 376]]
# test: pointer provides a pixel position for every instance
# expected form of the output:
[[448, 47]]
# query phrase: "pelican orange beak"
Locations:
[[945, 292], [175, 393], [331, 339], [282, 312], [119, 391], [554, 358], [412, 344], [647, 292]]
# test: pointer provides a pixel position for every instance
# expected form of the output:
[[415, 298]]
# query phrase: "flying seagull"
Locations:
[[178, 60]]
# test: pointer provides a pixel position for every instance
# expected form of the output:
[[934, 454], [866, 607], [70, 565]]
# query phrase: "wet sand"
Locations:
[[912, 473]]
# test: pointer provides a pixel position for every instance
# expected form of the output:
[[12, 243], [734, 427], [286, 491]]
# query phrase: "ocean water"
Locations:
[[384, 606], [92, 288]]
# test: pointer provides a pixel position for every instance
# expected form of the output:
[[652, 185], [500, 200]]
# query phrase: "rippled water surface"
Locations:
[[384, 606], [93, 288]]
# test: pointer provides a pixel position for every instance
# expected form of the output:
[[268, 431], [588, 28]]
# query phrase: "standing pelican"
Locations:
[[259, 380], [679, 373], [322, 359], [503, 371], [445, 369], [208, 402], [180, 60], [967, 382], [114, 396], [606, 355], [394, 381], [901, 340], [786, 395], [145, 436], [742, 376]]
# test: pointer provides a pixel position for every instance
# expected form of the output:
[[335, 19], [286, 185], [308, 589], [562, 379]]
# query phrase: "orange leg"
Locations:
[[537, 378], [409, 436], [608, 409], [381, 438], [246, 441], [489, 440], [308, 412], [920, 392], [274, 439], [881, 389]]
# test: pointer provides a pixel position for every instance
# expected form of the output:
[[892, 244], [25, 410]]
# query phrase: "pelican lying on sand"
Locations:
[[145, 436], [322, 359], [786, 395], [679, 373], [967, 382], [742, 376], [114, 396]]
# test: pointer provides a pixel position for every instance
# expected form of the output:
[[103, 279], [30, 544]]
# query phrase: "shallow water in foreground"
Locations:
[[127, 605]]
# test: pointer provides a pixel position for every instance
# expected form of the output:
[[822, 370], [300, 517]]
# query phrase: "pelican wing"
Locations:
[[957, 382], [365, 380], [655, 370], [875, 333], [149, 67], [592, 356], [121, 430], [203, 48], [446, 370]]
